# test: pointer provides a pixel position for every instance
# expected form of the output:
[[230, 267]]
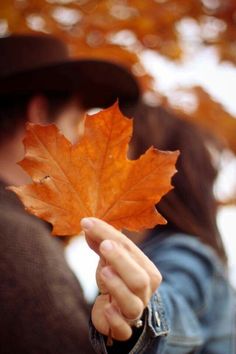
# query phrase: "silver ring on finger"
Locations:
[[135, 322]]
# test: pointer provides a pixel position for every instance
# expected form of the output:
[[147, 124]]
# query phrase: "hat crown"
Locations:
[[33, 64], [19, 53]]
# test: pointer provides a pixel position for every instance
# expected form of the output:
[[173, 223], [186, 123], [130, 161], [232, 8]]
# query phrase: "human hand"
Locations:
[[125, 276]]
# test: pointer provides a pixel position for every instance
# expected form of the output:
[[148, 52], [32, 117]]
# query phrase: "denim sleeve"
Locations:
[[155, 325], [188, 269], [173, 317]]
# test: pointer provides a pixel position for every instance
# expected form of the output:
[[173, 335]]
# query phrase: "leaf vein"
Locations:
[[63, 172]]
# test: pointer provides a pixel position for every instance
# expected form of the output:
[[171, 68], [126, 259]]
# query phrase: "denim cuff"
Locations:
[[156, 316], [155, 325]]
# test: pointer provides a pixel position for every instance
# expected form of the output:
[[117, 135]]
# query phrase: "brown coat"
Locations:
[[42, 309]]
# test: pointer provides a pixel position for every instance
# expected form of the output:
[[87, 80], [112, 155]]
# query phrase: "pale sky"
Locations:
[[219, 79]]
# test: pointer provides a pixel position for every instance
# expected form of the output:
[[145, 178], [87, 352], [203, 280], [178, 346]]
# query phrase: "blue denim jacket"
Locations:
[[193, 310]]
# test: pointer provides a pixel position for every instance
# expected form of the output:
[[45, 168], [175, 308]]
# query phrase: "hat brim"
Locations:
[[98, 82]]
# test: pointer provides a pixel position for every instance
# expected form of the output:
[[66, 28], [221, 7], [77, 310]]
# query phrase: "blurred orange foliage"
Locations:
[[152, 24], [121, 29], [211, 116]]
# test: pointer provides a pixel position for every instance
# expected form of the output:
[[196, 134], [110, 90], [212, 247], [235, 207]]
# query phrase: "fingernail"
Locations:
[[107, 272], [86, 224], [107, 246]]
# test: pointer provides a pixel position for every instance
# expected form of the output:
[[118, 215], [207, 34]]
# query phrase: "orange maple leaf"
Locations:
[[93, 177]]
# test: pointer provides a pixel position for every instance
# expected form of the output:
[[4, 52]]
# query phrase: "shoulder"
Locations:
[[26, 244], [15, 222], [22, 232], [31, 258], [184, 249], [19, 229], [189, 267]]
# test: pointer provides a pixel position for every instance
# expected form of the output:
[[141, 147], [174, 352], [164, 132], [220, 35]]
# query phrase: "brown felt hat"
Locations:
[[30, 63]]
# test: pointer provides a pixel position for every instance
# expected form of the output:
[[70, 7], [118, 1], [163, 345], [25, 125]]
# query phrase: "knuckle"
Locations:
[[127, 244], [116, 253], [156, 279], [135, 310], [140, 283], [146, 296], [113, 286]]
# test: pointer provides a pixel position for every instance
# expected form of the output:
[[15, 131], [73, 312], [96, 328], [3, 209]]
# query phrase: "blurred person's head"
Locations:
[[63, 108], [191, 206], [38, 78], [39, 83]]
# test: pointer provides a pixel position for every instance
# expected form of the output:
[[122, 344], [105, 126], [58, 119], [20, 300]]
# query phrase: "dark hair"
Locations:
[[191, 206], [13, 109]]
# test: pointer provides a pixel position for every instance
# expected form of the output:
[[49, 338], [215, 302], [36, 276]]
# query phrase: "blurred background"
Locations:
[[183, 52]]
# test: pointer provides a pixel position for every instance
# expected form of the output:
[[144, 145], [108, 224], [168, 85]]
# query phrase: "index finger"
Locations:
[[97, 231]]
